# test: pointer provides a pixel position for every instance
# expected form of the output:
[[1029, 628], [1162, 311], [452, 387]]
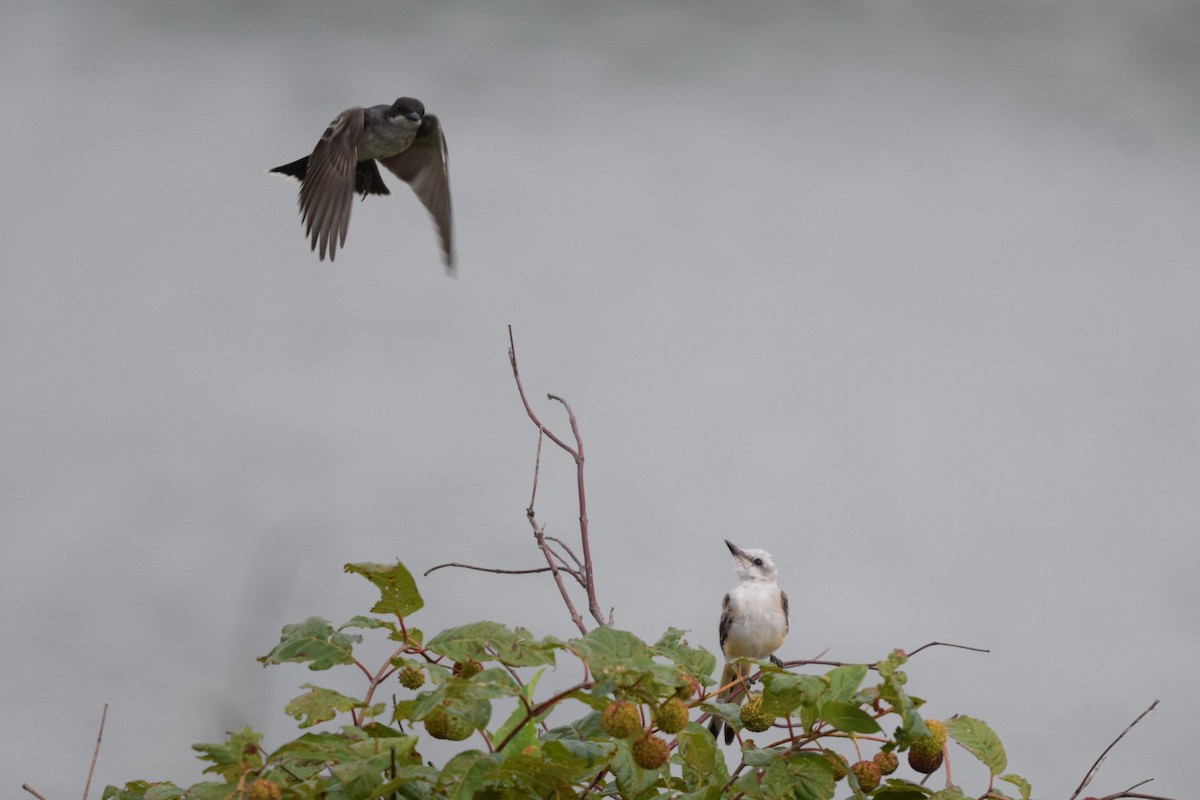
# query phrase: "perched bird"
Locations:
[[403, 138], [754, 622]]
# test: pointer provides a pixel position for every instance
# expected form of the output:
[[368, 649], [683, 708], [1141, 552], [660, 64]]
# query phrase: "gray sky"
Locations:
[[904, 293]]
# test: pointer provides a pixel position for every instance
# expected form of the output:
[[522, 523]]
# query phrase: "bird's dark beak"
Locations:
[[733, 548], [414, 116]]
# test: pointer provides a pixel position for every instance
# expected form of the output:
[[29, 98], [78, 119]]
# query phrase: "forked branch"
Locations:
[[561, 559]]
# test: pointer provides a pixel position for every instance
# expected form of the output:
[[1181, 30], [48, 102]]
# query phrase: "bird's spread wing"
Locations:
[[423, 166], [328, 187]]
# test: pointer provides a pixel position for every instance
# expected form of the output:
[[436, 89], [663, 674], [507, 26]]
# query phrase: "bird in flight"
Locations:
[[754, 623], [401, 137]]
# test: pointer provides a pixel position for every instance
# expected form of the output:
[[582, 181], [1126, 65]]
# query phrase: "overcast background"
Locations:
[[903, 292]]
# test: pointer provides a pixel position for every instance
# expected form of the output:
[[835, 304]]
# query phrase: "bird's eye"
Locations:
[[758, 562]]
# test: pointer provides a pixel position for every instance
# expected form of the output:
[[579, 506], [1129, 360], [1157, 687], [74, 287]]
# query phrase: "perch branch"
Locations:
[[1091, 773]]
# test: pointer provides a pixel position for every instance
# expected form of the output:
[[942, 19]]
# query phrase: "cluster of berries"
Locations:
[[924, 755], [621, 720]]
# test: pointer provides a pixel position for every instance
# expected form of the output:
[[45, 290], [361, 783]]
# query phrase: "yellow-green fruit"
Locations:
[[262, 789], [938, 730], [671, 716], [924, 763], [441, 725], [887, 762], [468, 668], [650, 752], [412, 678], [930, 745], [754, 718], [838, 763], [620, 720], [867, 773]]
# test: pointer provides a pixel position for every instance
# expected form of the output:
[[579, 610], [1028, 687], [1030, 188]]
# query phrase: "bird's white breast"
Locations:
[[759, 624]]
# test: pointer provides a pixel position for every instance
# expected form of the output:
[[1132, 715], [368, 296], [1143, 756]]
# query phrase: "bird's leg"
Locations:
[[776, 661]]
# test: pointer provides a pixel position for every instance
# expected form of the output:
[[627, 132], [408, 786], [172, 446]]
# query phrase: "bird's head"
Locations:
[[752, 564], [408, 107]]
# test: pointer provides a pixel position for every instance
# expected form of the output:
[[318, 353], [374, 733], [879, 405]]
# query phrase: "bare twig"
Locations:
[[96, 753], [1091, 773], [496, 570], [29, 789], [584, 573], [875, 664]]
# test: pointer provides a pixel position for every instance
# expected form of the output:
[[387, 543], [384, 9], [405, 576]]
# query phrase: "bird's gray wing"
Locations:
[[783, 597], [726, 621], [424, 167], [328, 188]]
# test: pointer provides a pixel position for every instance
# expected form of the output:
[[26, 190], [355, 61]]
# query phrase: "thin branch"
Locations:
[[564, 546], [555, 570], [875, 664], [29, 789], [96, 753], [1091, 773], [593, 604], [512, 360], [496, 570], [584, 574]]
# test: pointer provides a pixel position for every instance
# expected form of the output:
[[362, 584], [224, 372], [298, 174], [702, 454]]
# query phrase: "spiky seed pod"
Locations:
[[620, 720], [685, 691], [468, 668], [754, 718], [650, 752], [938, 730], [412, 678], [441, 725], [924, 764], [934, 742], [671, 716], [262, 789], [838, 763], [887, 762], [867, 773]]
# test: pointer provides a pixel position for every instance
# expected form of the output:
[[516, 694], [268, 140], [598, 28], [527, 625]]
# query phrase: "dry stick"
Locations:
[[576, 454], [496, 570], [593, 604], [96, 753], [29, 789], [875, 664], [1091, 773]]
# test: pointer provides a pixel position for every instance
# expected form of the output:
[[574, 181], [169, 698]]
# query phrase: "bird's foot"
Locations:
[[776, 661]]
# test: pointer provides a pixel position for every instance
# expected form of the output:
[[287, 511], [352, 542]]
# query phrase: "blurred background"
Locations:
[[903, 292]]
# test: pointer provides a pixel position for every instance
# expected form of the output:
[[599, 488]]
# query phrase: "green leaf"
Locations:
[[237, 755], [844, 681], [949, 793], [314, 641], [397, 589], [527, 736], [632, 780], [701, 760], [980, 740], [491, 641], [898, 789], [784, 692], [320, 705], [696, 662], [780, 774], [848, 718], [464, 774], [368, 623], [1022, 785]]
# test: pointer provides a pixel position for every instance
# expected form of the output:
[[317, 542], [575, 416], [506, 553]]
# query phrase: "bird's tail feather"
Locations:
[[734, 675]]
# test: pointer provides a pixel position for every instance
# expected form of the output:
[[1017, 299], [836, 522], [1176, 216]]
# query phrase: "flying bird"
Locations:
[[404, 139], [754, 622]]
